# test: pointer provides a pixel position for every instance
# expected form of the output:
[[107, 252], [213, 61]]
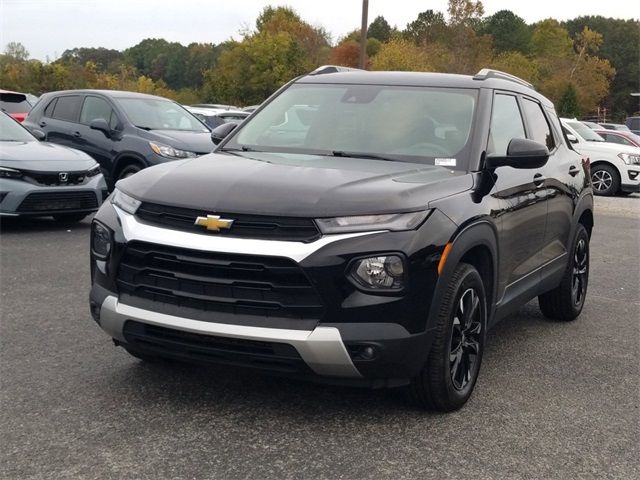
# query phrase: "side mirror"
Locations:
[[102, 125], [572, 138], [39, 134], [219, 133], [521, 153]]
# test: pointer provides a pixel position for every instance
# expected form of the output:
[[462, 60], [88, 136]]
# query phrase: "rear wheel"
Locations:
[[70, 217], [565, 302], [449, 376], [605, 180]]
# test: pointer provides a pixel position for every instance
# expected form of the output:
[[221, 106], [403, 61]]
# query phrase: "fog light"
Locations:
[[100, 240], [633, 174], [383, 273], [362, 352]]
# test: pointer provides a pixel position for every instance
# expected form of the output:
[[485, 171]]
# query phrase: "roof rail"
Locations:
[[334, 69], [490, 73]]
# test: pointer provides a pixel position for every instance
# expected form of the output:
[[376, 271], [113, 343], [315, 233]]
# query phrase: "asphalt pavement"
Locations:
[[553, 400]]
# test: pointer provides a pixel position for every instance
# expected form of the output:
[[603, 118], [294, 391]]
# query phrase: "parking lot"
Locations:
[[553, 400]]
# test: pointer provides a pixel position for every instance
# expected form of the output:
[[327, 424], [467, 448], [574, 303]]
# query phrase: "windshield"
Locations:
[[157, 114], [410, 124], [585, 132], [12, 131]]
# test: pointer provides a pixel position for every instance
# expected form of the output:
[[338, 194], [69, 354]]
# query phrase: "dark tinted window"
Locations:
[[67, 108], [93, 108], [506, 124], [14, 103], [48, 111], [538, 125]]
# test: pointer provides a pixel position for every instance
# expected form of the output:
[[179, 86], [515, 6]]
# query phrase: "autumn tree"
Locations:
[[401, 54]]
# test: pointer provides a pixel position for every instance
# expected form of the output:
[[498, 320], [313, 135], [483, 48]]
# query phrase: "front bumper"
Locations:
[[330, 348]]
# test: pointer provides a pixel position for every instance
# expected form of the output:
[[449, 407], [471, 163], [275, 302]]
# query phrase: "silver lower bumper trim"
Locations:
[[321, 348]]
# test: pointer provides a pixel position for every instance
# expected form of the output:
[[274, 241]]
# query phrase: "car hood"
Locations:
[[294, 185], [605, 148], [43, 157], [199, 142]]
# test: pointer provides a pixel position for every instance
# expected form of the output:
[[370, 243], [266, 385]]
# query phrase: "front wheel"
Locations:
[[565, 302], [605, 180], [450, 373], [129, 170]]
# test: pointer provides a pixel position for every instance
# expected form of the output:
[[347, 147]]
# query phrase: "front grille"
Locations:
[[208, 348], [244, 226], [218, 282], [59, 201], [53, 178]]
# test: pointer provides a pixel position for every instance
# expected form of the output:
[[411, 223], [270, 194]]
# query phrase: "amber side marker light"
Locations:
[[443, 257]]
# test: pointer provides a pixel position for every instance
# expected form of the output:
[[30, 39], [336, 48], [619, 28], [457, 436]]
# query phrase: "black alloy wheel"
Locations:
[[465, 339]]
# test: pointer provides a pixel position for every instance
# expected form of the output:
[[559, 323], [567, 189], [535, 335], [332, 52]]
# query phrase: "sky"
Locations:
[[49, 27]]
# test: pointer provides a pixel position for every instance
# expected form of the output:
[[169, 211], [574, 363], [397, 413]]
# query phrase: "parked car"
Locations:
[[124, 131], [376, 252], [620, 136], [250, 108], [16, 104], [592, 125], [214, 118], [633, 123], [215, 106], [43, 179], [615, 169], [615, 126]]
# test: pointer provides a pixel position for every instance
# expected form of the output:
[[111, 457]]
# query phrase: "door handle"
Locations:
[[77, 134], [573, 170], [538, 180], [43, 123]]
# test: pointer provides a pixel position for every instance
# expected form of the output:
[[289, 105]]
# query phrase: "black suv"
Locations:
[[362, 228], [123, 131]]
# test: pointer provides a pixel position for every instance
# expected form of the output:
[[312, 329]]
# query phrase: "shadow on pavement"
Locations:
[[40, 224]]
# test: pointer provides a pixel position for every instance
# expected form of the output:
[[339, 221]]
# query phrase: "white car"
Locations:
[[614, 168], [213, 117]]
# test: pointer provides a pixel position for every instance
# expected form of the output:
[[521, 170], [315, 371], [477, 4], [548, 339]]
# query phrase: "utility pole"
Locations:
[[363, 34]]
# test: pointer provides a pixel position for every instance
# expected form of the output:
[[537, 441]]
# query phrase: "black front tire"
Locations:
[[129, 170], [565, 302], [70, 217], [605, 180], [447, 380]]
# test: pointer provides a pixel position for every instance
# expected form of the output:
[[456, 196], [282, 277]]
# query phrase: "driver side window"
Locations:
[[506, 123]]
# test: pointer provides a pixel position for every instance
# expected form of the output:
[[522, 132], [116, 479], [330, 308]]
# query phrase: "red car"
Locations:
[[620, 136], [15, 104]]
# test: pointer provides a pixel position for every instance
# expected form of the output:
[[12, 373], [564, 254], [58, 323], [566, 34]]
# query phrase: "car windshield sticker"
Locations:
[[446, 162]]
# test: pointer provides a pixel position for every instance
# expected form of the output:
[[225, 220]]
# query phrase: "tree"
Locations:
[[401, 54], [465, 13], [568, 103], [17, 51], [429, 27], [346, 54], [379, 29], [550, 41], [508, 31]]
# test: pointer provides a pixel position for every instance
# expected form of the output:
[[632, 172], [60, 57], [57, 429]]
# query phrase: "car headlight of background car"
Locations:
[[630, 158], [6, 172], [170, 152], [93, 171], [125, 202]]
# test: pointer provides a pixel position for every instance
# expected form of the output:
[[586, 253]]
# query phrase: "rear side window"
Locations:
[[616, 139], [538, 126], [506, 123], [93, 108], [67, 108]]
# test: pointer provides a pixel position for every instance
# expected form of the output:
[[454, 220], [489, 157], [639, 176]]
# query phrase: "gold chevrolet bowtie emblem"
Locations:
[[213, 222]]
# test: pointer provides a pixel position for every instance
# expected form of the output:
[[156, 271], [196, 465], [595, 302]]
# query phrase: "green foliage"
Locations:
[[379, 29], [508, 31], [568, 104], [429, 27]]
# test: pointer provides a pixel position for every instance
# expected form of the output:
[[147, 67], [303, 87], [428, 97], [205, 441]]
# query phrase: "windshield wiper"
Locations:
[[243, 148], [370, 156], [144, 128]]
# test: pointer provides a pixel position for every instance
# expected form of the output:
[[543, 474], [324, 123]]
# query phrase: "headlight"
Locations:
[[630, 158], [170, 152], [101, 240], [379, 273], [93, 171], [125, 202], [393, 221], [6, 172]]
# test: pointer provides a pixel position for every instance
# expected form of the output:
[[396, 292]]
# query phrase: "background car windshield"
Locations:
[[11, 131], [154, 114], [412, 124], [585, 132]]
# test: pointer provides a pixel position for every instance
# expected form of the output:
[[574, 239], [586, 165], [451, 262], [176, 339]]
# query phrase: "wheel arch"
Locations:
[[124, 160]]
